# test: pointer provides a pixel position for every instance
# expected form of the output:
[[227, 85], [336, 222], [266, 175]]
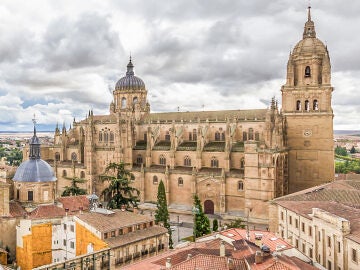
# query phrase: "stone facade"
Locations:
[[235, 160]]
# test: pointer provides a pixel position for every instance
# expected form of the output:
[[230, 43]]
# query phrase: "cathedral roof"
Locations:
[[35, 169], [130, 81]]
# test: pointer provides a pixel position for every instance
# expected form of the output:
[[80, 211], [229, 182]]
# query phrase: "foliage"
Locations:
[[202, 223], [347, 166], [352, 150], [236, 223], [215, 226], [13, 156], [341, 151], [120, 192], [162, 213], [74, 189]]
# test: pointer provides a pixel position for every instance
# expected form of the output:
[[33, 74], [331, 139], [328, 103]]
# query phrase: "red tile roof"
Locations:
[[47, 211], [75, 203], [16, 210]]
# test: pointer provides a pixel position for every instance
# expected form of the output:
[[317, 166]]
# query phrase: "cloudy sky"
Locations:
[[58, 59]]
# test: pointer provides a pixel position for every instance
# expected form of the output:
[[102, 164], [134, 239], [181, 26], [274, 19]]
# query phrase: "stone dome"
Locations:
[[130, 81], [310, 46], [34, 170]]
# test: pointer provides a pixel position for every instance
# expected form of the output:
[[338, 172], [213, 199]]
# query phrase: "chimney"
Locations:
[[222, 249], [168, 263], [258, 257], [189, 256]]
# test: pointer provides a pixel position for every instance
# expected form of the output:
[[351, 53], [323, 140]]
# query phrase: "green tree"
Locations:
[[74, 189], [237, 223], [341, 151], [201, 221], [162, 213], [120, 192], [215, 226], [14, 157], [353, 150]]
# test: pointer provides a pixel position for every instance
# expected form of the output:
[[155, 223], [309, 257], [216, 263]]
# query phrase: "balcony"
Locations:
[[162, 145]]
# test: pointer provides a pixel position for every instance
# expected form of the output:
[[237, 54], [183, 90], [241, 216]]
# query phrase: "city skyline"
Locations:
[[60, 60]]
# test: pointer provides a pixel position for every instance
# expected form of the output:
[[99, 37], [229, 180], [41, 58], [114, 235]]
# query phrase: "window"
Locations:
[[251, 134], [315, 105], [106, 235], [310, 252], [64, 173], [244, 136], [302, 226], [240, 185], [329, 265], [242, 163], [106, 137], [65, 226], [73, 156], [319, 236], [339, 247], [214, 162], [310, 231], [130, 229], [298, 105], [162, 160], [290, 220], [82, 174], [223, 136], [72, 245], [137, 227], [257, 136], [217, 136], [100, 136], [303, 247], [297, 243], [329, 241], [145, 136], [135, 100], [296, 223], [30, 195], [187, 161], [64, 242], [111, 136], [139, 159], [121, 232], [282, 215], [180, 182], [307, 71], [190, 136], [18, 194], [194, 135], [72, 228], [167, 136], [354, 255], [57, 156], [307, 106], [112, 233], [123, 103], [155, 180]]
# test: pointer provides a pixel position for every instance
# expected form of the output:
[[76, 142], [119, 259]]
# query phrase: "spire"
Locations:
[[309, 28], [130, 68], [34, 144]]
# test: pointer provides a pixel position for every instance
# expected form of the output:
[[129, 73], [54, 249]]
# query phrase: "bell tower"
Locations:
[[306, 105]]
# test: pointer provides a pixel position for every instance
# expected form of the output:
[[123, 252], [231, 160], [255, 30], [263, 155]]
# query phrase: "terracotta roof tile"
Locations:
[[74, 203], [47, 211], [16, 210]]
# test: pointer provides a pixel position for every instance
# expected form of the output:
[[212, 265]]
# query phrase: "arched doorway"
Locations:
[[209, 207]]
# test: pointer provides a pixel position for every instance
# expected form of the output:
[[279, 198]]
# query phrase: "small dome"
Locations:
[[130, 81], [34, 170]]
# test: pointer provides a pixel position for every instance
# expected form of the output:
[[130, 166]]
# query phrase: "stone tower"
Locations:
[[306, 104]]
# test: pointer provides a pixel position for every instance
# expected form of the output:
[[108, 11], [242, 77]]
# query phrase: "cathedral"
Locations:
[[234, 160]]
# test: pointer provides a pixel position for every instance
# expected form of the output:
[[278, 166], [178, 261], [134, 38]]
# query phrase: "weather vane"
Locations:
[[34, 120]]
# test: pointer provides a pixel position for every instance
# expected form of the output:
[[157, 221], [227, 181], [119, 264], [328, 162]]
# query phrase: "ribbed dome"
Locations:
[[130, 81], [310, 46], [34, 170]]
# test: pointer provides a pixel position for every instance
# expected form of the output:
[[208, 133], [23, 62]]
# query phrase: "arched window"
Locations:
[[123, 103], [251, 134], [139, 159], [240, 185], [307, 106], [194, 135], [217, 136], [180, 182], [167, 136], [242, 163], [145, 136], [57, 156], [111, 136], [190, 136], [155, 180], [100, 136], [73, 156], [315, 105], [64, 173], [214, 162], [135, 100], [298, 105], [162, 160], [187, 161], [82, 174], [244, 136], [106, 136], [257, 136], [307, 71], [223, 136]]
